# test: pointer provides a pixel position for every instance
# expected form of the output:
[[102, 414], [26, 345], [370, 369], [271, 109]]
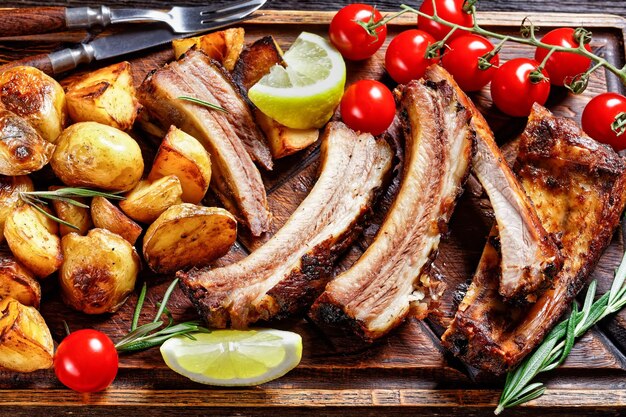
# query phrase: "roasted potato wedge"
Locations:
[[149, 199], [284, 140], [10, 188], [256, 60], [90, 154], [33, 239], [223, 46], [22, 149], [78, 216], [187, 235], [25, 340], [18, 282], [106, 215], [38, 98], [183, 156], [99, 271], [106, 96]]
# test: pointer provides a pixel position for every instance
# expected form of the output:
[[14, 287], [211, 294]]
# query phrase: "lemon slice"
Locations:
[[305, 94], [234, 357]]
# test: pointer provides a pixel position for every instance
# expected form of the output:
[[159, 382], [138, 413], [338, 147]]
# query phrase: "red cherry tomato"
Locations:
[[404, 59], [368, 106], [450, 10], [351, 39], [513, 92], [86, 361], [599, 115], [461, 60], [562, 65]]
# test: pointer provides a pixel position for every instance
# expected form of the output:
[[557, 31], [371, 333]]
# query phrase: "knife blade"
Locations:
[[117, 44]]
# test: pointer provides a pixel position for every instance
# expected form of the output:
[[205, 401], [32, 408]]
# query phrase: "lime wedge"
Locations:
[[234, 357], [306, 93]]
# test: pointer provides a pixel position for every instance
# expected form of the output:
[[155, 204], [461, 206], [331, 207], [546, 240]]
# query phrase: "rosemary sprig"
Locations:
[[559, 342], [157, 331], [203, 103], [67, 195]]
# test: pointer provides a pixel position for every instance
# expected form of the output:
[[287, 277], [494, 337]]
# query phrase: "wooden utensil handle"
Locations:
[[31, 21], [41, 61]]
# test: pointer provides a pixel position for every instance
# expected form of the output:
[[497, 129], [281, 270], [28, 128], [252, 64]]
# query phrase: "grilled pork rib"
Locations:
[[377, 292], [285, 275], [579, 190], [236, 180]]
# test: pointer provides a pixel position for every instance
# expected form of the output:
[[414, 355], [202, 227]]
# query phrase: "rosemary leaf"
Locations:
[[203, 103], [50, 215], [166, 298], [139, 306]]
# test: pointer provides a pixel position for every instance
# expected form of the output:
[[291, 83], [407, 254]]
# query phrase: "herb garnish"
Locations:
[[203, 103]]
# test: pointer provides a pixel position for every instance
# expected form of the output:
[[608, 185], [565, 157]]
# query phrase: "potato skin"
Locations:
[[149, 199], [36, 97], [91, 154], [22, 149], [186, 236], [224, 46], [33, 239], [99, 271], [106, 215], [10, 188], [18, 282], [25, 341], [78, 216]]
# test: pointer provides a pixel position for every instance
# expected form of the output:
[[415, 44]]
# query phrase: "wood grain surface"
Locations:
[[405, 373]]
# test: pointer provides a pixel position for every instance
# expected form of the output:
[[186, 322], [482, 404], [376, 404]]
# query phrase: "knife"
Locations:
[[115, 45]]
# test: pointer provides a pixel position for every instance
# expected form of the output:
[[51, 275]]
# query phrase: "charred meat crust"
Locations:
[[579, 189], [287, 273]]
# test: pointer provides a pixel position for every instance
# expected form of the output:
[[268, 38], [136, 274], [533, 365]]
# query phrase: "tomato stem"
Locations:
[[619, 125]]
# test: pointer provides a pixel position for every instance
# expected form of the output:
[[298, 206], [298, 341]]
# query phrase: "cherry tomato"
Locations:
[[405, 59], [368, 106], [599, 115], [461, 60], [351, 39], [86, 361], [513, 92], [562, 65], [450, 10]]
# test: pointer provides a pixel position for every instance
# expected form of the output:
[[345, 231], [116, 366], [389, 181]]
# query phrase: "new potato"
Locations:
[[75, 215], [106, 215], [91, 154], [18, 282], [10, 188], [99, 271], [223, 46], [149, 199]]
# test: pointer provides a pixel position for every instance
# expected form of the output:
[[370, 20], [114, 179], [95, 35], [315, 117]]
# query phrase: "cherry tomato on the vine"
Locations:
[[368, 106], [461, 60], [86, 361], [599, 115], [405, 57], [562, 65], [350, 38], [450, 10], [512, 90]]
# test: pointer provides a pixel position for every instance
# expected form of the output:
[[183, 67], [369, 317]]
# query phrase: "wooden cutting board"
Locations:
[[407, 372]]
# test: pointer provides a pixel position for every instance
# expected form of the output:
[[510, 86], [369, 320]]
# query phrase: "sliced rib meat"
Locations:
[[284, 276], [578, 187], [375, 294], [235, 178]]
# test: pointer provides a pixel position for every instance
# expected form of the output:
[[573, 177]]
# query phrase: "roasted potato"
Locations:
[[151, 198], [187, 235], [105, 215], [223, 46], [10, 188], [78, 216], [38, 98], [284, 140], [18, 282], [99, 271], [33, 239], [256, 60], [22, 149], [106, 96], [182, 155], [25, 340], [91, 154]]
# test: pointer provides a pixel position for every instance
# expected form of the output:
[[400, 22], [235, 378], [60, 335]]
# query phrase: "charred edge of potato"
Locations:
[[10, 188], [106, 215], [18, 282], [106, 95], [186, 236], [25, 340], [184, 156], [149, 199], [36, 97], [77, 216], [33, 239], [99, 271], [284, 140], [256, 60], [224, 46]]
